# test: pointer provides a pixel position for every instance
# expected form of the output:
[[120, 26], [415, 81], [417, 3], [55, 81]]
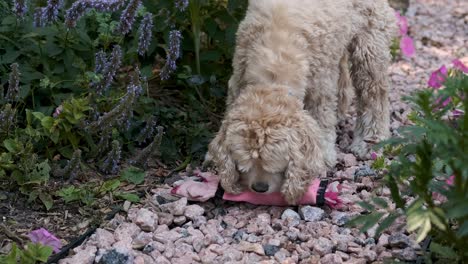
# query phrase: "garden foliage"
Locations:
[[428, 177], [86, 82]]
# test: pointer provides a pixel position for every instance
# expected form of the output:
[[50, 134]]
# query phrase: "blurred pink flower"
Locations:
[[57, 111], [402, 23], [460, 66], [438, 77], [45, 238], [373, 156], [407, 46], [450, 180], [457, 113]]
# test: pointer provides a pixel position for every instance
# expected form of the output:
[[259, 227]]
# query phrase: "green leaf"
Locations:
[[38, 115], [47, 122], [372, 220], [463, 230], [128, 196], [12, 146], [380, 202], [387, 222], [46, 200], [12, 257], [424, 230], [70, 194], [437, 217], [133, 175], [36, 252], [110, 185], [443, 251], [366, 205]]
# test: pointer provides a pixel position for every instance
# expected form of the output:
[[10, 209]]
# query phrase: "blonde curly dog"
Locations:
[[291, 84]]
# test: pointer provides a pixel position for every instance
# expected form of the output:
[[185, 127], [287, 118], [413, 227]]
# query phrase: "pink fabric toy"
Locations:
[[204, 186]]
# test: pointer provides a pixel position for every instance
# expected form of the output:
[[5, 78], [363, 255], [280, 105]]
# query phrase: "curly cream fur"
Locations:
[[291, 80]]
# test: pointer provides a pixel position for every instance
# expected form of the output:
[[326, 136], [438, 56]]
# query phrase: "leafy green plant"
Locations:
[[430, 166], [32, 254]]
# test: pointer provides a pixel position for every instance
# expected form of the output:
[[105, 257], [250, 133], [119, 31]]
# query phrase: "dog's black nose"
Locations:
[[260, 187]]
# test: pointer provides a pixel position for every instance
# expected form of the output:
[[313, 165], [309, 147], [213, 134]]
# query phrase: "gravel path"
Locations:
[[167, 231]]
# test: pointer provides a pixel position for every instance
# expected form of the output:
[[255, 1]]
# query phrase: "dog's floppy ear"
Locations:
[[219, 155], [305, 158]]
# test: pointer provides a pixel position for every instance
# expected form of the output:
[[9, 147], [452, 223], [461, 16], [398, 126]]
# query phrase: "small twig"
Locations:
[[10, 234]]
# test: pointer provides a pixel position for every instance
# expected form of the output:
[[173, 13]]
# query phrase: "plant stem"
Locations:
[[195, 6]]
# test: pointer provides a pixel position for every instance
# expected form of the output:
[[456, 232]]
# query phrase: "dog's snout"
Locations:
[[260, 187]]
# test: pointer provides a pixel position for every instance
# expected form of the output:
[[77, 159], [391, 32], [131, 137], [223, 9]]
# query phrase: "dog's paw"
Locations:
[[360, 148]]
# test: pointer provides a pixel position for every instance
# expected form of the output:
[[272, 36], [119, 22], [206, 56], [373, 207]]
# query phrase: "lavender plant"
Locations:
[[49, 13], [142, 158], [73, 167], [20, 8], [12, 94], [173, 53], [110, 164], [80, 7], [128, 17], [120, 114], [107, 68], [146, 33], [181, 5], [7, 119], [148, 131]]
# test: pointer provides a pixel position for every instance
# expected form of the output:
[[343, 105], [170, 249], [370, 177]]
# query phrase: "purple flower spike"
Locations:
[[437, 78], [49, 13], [181, 5], [42, 236], [460, 66], [146, 34], [173, 54], [128, 17], [80, 7], [20, 8]]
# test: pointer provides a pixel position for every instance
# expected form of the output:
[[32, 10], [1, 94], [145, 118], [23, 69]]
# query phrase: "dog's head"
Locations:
[[267, 143]]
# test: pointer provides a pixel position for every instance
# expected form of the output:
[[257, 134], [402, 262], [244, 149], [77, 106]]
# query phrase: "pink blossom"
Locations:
[[438, 77], [460, 66], [457, 113], [450, 180], [442, 104], [407, 46], [57, 111], [45, 238], [373, 156], [402, 23]]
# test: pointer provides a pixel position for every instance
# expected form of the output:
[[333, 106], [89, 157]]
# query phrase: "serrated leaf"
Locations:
[[424, 229], [133, 175], [46, 200], [437, 217], [415, 220], [443, 251]]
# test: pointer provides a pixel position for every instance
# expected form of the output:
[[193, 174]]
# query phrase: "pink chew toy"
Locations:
[[205, 185]]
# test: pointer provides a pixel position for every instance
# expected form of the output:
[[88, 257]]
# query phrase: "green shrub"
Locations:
[[94, 84], [431, 167]]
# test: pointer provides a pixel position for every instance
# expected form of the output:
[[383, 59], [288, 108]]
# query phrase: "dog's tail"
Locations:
[[345, 89]]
